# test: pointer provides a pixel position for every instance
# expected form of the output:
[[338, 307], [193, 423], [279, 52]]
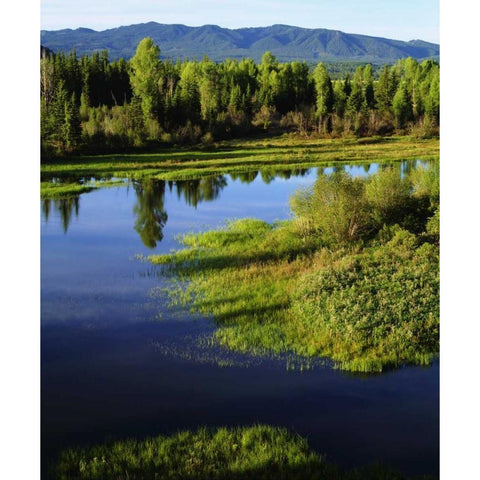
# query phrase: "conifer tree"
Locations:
[[347, 85], [402, 106], [384, 100], [356, 100], [369, 90], [71, 128]]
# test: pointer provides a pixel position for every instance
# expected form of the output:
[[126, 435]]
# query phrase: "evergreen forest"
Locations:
[[93, 105]]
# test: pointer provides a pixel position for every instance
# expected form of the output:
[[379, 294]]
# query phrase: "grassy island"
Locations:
[[258, 452]]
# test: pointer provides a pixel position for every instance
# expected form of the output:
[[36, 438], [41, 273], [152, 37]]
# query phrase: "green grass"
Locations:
[[53, 190], [58, 190], [367, 303], [258, 452], [238, 156]]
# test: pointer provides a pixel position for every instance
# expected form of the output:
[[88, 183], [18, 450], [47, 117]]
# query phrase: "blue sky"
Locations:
[[399, 19]]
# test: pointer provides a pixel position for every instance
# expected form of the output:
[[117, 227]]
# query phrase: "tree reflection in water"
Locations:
[[199, 190], [65, 206], [149, 208], [245, 177], [150, 211]]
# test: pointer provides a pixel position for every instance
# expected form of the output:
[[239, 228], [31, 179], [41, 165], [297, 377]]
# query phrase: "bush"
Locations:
[[153, 129], [207, 139], [388, 194], [426, 183], [374, 309], [336, 208]]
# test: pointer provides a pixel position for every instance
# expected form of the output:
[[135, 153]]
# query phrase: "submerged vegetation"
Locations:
[[258, 452], [353, 276]]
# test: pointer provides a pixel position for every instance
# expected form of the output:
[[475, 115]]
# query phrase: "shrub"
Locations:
[[373, 309], [336, 208], [387, 194]]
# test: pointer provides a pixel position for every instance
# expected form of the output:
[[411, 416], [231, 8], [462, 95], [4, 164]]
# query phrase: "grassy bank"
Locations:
[[259, 452], [53, 190], [240, 156], [353, 277]]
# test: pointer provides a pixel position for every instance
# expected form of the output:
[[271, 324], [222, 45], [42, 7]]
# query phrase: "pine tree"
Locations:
[[369, 90], [347, 85], [356, 99], [402, 106], [71, 128], [384, 100]]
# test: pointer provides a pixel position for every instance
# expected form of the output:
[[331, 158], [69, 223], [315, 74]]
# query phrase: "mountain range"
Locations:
[[286, 42]]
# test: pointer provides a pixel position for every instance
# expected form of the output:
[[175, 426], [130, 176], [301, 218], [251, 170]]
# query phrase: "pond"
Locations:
[[118, 362]]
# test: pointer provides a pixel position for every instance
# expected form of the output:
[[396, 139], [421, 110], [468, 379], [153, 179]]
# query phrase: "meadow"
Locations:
[[76, 174]]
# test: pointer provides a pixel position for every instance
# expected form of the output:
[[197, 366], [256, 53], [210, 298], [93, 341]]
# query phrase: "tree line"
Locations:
[[90, 104]]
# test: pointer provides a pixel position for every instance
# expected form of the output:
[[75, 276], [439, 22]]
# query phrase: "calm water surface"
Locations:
[[117, 362]]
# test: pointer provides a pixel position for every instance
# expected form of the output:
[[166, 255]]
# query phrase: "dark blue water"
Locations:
[[116, 362]]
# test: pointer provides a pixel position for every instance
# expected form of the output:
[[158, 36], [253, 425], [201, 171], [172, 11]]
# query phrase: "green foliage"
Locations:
[[275, 153], [209, 90], [426, 183], [386, 88], [402, 106], [242, 453], [239, 453], [375, 309], [336, 208], [324, 90], [71, 124], [330, 282], [433, 227], [146, 75], [225, 100], [388, 195]]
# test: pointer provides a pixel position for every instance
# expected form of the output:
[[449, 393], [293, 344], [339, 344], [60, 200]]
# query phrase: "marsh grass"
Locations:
[[368, 301], [255, 452], [243, 156], [52, 190]]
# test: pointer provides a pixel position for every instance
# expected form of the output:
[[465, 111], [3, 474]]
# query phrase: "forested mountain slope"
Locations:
[[287, 43]]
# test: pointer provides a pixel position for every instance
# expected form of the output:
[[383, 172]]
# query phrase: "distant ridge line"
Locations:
[[286, 42]]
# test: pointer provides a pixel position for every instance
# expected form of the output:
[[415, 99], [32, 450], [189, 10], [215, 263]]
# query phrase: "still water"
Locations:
[[117, 362]]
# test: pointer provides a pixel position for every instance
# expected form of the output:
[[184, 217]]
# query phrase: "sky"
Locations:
[[397, 19]]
